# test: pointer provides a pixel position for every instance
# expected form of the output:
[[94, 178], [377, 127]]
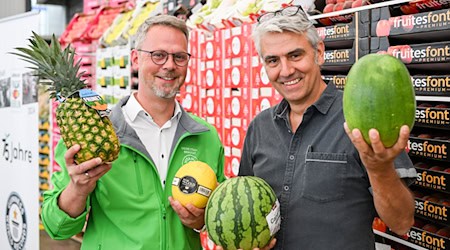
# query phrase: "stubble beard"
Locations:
[[159, 92]]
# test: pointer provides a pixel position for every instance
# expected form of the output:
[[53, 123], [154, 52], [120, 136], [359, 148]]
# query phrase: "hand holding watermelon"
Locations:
[[376, 156]]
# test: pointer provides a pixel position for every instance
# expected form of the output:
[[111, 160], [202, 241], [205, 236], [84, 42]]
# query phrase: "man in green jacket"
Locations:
[[128, 203]]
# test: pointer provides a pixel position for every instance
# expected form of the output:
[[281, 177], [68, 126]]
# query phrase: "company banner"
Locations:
[[19, 146], [19, 169]]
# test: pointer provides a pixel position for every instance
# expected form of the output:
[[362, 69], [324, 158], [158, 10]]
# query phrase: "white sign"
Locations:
[[19, 145]]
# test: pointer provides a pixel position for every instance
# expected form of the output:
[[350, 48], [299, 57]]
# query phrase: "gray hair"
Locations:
[[298, 24], [164, 20]]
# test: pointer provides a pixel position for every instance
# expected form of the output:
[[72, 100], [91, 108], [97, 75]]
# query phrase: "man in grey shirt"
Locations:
[[329, 182]]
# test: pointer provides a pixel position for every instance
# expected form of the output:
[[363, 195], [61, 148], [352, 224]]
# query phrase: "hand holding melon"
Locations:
[[194, 183], [379, 94]]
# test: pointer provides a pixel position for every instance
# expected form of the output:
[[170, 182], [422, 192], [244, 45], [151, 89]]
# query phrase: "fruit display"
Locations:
[[242, 213], [76, 28], [102, 22], [82, 121], [374, 81], [140, 14], [193, 183], [112, 34]]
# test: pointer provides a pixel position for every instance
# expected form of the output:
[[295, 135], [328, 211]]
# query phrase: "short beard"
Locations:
[[163, 94]]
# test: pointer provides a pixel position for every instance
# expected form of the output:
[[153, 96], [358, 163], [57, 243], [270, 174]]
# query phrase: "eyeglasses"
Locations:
[[160, 57], [288, 11]]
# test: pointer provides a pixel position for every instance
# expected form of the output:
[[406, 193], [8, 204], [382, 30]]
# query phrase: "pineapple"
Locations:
[[79, 123]]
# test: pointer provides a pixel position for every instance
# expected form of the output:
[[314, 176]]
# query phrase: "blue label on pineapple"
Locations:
[[95, 101]]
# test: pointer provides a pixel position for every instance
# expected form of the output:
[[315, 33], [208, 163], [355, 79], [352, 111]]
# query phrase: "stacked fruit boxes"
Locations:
[[417, 33]]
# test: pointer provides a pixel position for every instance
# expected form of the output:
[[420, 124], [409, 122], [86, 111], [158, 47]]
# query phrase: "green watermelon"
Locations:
[[242, 213], [379, 94]]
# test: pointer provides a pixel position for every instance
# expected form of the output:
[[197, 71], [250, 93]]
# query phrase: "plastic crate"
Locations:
[[101, 22], [76, 28]]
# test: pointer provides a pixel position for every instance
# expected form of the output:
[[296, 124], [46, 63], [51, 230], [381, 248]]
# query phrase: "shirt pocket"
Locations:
[[324, 175]]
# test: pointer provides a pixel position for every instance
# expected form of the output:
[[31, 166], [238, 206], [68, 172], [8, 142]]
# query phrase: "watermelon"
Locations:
[[379, 94], [242, 213]]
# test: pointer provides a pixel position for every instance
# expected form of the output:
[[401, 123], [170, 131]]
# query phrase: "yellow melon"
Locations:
[[194, 183]]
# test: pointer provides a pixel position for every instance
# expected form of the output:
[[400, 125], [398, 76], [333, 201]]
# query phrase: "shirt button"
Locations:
[[291, 157], [286, 188]]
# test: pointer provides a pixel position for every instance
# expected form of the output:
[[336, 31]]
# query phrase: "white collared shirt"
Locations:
[[157, 140]]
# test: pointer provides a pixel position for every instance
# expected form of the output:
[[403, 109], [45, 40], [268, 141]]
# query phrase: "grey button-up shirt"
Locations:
[[317, 175]]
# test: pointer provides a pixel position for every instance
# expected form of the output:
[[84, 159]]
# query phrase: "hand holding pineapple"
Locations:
[[83, 180], [79, 123]]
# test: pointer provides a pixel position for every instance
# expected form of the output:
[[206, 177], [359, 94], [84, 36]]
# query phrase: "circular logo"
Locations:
[[236, 46], [187, 102], [188, 75], [188, 185], [210, 106], [235, 166], [209, 50], [235, 106], [16, 222], [264, 77], [189, 158], [265, 104], [235, 76], [235, 136], [209, 78]]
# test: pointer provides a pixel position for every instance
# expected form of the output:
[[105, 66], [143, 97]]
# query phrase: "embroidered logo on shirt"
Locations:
[[190, 154]]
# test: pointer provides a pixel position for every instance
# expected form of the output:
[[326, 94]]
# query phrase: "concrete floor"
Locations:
[[47, 243]]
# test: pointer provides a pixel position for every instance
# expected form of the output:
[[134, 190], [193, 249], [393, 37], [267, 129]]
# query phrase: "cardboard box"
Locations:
[[259, 76], [238, 41], [343, 59], [237, 72], [432, 211], [429, 148], [433, 117], [338, 80], [419, 26], [431, 85], [434, 180], [420, 54], [342, 35]]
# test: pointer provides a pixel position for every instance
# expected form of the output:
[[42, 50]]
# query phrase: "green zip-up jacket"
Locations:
[[129, 208]]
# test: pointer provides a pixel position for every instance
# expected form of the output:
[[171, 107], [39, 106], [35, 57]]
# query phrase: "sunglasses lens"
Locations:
[[288, 11], [266, 16]]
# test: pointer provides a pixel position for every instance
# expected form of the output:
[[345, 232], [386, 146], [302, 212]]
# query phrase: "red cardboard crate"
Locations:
[[232, 166], [190, 98], [238, 41], [211, 48], [193, 72], [237, 139], [237, 107], [237, 72], [259, 74]]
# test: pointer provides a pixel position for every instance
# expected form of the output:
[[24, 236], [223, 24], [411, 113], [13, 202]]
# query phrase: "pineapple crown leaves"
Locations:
[[53, 63]]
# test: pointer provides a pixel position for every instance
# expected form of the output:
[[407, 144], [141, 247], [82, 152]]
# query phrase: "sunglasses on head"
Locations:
[[288, 11]]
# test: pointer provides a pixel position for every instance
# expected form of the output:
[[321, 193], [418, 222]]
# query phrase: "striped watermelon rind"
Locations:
[[232, 217]]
